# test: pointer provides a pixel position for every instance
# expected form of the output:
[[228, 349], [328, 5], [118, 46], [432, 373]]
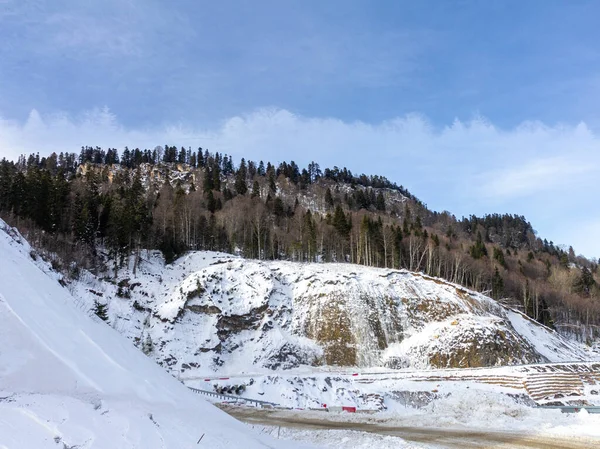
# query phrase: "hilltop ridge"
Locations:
[[97, 208]]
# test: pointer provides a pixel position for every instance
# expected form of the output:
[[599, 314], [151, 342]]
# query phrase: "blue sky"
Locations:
[[476, 107]]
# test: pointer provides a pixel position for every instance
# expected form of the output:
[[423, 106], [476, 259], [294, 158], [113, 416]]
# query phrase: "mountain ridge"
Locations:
[[270, 212]]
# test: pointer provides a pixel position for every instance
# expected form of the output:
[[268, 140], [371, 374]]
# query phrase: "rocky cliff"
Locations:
[[211, 312]]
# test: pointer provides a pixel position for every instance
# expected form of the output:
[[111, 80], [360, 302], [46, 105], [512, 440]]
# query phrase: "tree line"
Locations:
[[101, 203]]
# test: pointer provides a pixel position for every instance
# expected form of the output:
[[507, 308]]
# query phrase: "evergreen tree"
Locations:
[[309, 236], [208, 184], [380, 202], [240, 179], [497, 285], [499, 257], [278, 208], [216, 175], [211, 203], [271, 178], [328, 198], [340, 223], [478, 250], [255, 190], [147, 345], [101, 310], [585, 282]]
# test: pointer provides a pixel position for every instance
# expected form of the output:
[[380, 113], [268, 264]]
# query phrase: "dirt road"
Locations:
[[439, 437]]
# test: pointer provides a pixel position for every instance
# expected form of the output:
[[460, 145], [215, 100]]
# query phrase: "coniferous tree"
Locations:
[[328, 198], [208, 180], [499, 256], [101, 310], [340, 222], [478, 250], [271, 178], [240, 179], [255, 189], [211, 203], [380, 202], [309, 236], [585, 282], [497, 285]]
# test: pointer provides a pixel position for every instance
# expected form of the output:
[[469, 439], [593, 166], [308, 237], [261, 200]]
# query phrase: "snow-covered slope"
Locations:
[[211, 312], [69, 381]]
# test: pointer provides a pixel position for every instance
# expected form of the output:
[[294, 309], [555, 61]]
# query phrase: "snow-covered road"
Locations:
[[423, 437]]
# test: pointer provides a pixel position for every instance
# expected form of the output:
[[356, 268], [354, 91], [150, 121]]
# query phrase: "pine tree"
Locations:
[[497, 285], [211, 203], [499, 256], [216, 176], [101, 310], [271, 177], [147, 345], [208, 184], [240, 179], [340, 222], [328, 198], [478, 250], [380, 202], [278, 208], [585, 282], [255, 189], [309, 236]]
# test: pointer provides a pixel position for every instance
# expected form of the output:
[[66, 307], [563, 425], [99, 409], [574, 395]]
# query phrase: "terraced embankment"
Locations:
[[576, 383], [566, 384]]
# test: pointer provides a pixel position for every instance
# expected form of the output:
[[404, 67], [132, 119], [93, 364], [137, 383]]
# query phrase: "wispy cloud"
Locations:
[[541, 175], [511, 163]]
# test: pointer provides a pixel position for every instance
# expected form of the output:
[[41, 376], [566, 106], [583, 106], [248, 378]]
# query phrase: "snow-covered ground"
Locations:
[[472, 418], [336, 438], [380, 390], [67, 381]]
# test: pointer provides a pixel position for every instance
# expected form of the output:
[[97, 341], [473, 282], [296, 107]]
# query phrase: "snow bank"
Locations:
[[341, 438]]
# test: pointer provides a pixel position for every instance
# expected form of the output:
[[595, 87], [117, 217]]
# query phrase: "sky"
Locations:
[[476, 107]]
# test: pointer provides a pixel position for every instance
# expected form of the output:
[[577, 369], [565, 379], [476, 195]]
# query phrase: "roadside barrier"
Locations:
[[572, 408], [228, 397]]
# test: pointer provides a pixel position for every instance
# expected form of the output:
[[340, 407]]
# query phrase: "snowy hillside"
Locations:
[[211, 312], [68, 381]]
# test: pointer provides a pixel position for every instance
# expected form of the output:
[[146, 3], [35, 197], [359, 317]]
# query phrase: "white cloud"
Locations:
[[536, 176], [546, 172]]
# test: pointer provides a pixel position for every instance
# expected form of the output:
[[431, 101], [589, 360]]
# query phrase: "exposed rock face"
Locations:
[[215, 312], [468, 342]]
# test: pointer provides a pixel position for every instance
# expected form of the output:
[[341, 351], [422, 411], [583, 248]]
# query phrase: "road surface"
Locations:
[[438, 437]]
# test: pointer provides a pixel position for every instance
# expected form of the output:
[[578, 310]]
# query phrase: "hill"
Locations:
[[97, 208], [212, 313]]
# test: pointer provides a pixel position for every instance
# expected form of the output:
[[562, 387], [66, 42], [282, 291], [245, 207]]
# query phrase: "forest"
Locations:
[[98, 207]]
